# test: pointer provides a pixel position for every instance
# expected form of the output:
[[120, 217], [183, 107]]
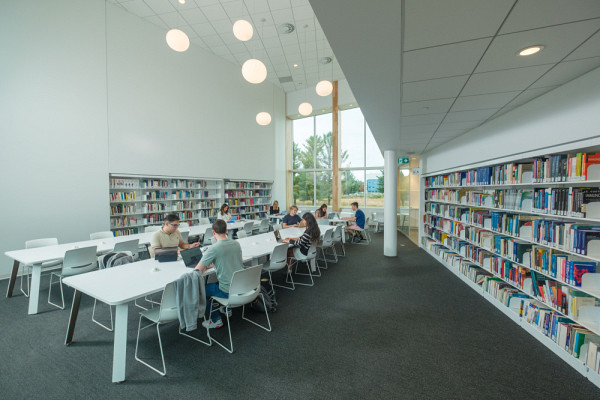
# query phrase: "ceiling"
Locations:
[[208, 24], [427, 71]]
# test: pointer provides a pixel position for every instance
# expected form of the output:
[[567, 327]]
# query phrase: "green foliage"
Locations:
[[380, 182]]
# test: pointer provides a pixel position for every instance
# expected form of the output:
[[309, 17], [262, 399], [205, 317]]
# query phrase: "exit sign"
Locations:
[[402, 160]]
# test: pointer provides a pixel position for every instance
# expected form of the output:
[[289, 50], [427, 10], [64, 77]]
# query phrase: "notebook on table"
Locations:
[[191, 257]]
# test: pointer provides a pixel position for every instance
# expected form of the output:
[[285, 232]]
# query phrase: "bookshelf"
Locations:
[[248, 199], [140, 201], [525, 234]]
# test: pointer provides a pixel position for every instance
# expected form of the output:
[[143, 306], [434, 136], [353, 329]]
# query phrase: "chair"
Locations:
[[152, 228], [310, 257], [338, 239], [184, 226], [132, 246], [204, 221], [248, 226], [365, 233], [101, 235], [323, 221], [278, 261], [327, 243], [31, 244], [241, 234], [263, 227], [372, 222], [76, 261], [166, 313], [378, 221], [185, 235], [207, 235], [277, 227], [244, 288]]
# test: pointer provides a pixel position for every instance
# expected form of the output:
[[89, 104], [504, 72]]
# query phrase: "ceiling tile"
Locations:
[[138, 7], [173, 19], [559, 41], [452, 126], [446, 133], [428, 119], [160, 6], [530, 14], [214, 12], [433, 89], [459, 59], [504, 81], [269, 32], [193, 15], [304, 12], [591, 48], [467, 116], [483, 101], [433, 22], [188, 5], [220, 50], [426, 107], [283, 16], [279, 4], [223, 26], [409, 131], [566, 71], [202, 3], [235, 9], [204, 29], [213, 40], [156, 20]]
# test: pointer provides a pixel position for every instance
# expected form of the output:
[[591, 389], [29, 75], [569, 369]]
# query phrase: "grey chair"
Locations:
[[248, 226], [327, 243], [101, 235], [338, 239], [278, 261], [152, 228], [166, 313], [244, 288], [365, 234], [241, 234], [307, 259], [204, 221], [185, 235], [26, 268], [132, 246], [263, 227], [76, 261], [277, 227], [207, 235]]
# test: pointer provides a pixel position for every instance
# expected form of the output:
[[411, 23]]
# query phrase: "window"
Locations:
[[304, 188]]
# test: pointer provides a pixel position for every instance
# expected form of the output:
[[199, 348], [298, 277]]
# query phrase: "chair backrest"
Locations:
[[337, 234], [184, 226], [312, 253], [32, 244], [185, 235], [204, 221], [264, 226], [241, 234], [207, 235], [248, 227], [323, 221], [79, 261], [327, 238], [277, 227], [168, 305], [152, 228], [245, 286], [101, 235], [374, 215], [128, 245], [279, 256]]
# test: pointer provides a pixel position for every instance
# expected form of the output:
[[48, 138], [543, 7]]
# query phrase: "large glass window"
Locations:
[[304, 188], [375, 188], [353, 184], [352, 130]]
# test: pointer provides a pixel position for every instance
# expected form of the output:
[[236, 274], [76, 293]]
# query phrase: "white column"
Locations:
[[390, 224]]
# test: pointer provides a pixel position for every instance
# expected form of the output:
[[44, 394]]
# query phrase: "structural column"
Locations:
[[390, 195], [335, 151]]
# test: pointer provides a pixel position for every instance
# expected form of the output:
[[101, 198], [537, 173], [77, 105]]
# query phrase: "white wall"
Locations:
[[319, 103], [567, 114], [78, 102]]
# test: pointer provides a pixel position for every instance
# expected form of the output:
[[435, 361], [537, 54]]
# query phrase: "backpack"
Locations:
[[270, 301], [113, 259]]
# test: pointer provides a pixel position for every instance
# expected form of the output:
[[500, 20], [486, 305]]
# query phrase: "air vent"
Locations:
[[285, 79]]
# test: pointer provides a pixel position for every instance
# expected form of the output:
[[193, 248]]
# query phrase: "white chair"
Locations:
[[152, 228], [101, 235], [277, 227], [185, 235], [263, 227], [378, 221], [278, 261], [241, 234], [248, 226], [338, 239], [207, 236], [327, 243], [372, 223], [31, 244], [184, 226], [132, 246], [76, 261], [365, 233], [308, 259], [204, 221], [167, 312], [244, 288]]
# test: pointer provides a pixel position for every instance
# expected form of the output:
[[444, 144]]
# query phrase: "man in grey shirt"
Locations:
[[226, 257]]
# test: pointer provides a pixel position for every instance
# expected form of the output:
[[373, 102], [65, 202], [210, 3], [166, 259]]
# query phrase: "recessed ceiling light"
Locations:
[[531, 50], [286, 28], [181, 1], [295, 65]]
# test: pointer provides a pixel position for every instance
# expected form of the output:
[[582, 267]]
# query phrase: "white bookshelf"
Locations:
[[451, 202], [248, 199]]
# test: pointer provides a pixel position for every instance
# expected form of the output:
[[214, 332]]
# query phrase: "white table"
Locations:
[[119, 287]]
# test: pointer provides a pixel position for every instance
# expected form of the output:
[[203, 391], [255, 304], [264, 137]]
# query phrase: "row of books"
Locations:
[[154, 183], [563, 235], [123, 222], [572, 202], [247, 185], [564, 167], [123, 196], [126, 231], [123, 209], [123, 183]]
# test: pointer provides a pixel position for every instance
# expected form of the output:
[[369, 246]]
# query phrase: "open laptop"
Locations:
[[278, 236], [233, 219], [165, 254], [191, 257], [332, 215]]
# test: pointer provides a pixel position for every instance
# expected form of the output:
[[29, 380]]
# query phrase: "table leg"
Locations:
[[120, 347], [73, 317], [34, 291], [13, 278]]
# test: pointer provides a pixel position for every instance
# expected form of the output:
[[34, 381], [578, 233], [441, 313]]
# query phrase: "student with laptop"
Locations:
[[321, 212], [291, 220], [226, 258], [274, 209], [169, 236], [359, 223], [311, 235], [224, 213]]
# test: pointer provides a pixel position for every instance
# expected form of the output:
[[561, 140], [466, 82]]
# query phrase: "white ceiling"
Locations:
[[427, 71], [208, 24]]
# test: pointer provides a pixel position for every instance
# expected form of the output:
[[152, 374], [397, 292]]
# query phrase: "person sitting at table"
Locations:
[[226, 258], [321, 212], [224, 213], [291, 219], [359, 223], [274, 209], [311, 235], [169, 236]]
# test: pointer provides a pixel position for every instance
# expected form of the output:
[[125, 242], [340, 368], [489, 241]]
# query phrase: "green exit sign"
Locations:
[[402, 160]]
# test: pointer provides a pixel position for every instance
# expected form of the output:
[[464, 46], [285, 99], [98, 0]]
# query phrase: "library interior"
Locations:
[[300, 198]]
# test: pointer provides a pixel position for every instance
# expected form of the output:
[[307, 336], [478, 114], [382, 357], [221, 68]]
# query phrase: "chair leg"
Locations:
[[312, 282], [212, 339], [164, 371], [266, 313], [209, 343], [62, 296], [100, 323], [288, 279], [324, 256]]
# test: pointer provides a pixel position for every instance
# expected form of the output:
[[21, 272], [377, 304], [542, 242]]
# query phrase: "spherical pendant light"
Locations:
[[242, 30], [254, 71], [305, 109], [263, 118], [178, 40], [324, 88]]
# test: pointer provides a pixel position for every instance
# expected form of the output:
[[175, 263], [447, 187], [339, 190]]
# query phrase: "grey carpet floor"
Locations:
[[372, 327]]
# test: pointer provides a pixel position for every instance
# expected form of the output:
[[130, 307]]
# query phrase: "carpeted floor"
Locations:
[[372, 327]]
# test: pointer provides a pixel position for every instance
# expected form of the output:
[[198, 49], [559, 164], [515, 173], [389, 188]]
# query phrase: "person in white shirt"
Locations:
[[224, 213]]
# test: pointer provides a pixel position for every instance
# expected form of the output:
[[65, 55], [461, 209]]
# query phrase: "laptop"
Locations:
[[165, 254], [278, 236], [332, 215], [233, 219], [191, 257]]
